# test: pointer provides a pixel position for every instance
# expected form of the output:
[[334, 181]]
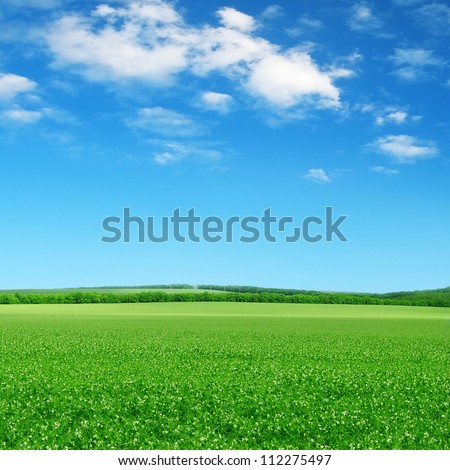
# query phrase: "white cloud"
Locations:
[[228, 51], [21, 116], [384, 170], [419, 57], [317, 175], [414, 63], [305, 24], [164, 121], [104, 10], [404, 148], [397, 117], [149, 41], [272, 12], [16, 96], [11, 85], [409, 74], [379, 120], [363, 20], [354, 57], [365, 107], [153, 12], [391, 115], [339, 72], [388, 115], [234, 19], [219, 102], [115, 54], [286, 80]]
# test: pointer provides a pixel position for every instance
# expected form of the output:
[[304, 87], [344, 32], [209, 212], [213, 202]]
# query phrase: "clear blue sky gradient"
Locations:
[[228, 108]]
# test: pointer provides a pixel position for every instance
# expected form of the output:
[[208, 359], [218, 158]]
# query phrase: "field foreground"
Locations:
[[224, 376]]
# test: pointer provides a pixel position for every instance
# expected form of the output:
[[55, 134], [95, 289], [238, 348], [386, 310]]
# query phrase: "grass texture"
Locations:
[[224, 376]]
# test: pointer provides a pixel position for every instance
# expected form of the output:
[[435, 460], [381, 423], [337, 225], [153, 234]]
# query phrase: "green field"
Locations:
[[224, 376]]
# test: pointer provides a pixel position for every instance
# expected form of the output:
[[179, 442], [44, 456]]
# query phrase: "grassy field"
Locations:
[[224, 376]]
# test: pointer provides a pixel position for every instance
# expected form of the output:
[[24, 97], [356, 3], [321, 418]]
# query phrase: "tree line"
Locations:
[[439, 299]]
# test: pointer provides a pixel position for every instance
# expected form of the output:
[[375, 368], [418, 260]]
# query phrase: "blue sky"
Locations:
[[228, 108]]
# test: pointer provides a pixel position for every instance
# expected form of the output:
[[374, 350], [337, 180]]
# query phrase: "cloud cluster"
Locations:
[[413, 64], [114, 53], [13, 88], [20, 103], [150, 41], [388, 115], [234, 19], [396, 117]]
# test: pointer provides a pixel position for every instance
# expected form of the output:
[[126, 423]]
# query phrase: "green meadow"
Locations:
[[224, 376]]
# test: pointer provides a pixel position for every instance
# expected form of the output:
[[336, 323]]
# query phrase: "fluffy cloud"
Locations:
[[404, 148], [397, 116], [285, 80], [14, 90], [228, 51], [317, 175], [11, 85], [219, 102], [164, 121], [115, 53], [149, 41], [234, 19]]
